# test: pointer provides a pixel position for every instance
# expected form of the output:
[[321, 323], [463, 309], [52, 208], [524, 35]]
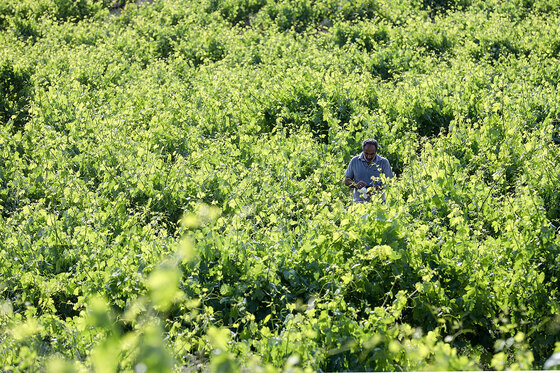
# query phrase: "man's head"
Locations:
[[369, 149]]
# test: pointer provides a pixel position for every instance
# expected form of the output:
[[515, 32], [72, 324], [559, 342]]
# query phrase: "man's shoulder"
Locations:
[[381, 159], [355, 159]]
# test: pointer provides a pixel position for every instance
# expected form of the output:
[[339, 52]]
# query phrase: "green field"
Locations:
[[172, 197]]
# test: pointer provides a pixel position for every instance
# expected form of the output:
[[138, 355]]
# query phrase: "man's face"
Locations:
[[369, 152]]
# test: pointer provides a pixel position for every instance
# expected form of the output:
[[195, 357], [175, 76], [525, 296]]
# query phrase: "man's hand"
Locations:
[[353, 184], [360, 184]]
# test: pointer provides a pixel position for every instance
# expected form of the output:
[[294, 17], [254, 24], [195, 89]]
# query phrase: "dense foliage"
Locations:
[[171, 190]]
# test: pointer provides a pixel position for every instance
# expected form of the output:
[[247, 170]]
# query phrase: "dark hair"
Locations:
[[370, 142]]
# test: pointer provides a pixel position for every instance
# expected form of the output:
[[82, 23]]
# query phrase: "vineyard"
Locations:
[[172, 196]]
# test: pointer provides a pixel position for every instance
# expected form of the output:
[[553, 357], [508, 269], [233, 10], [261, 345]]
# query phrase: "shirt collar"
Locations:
[[363, 159]]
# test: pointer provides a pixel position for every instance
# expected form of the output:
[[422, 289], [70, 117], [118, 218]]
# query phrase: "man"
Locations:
[[364, 171]]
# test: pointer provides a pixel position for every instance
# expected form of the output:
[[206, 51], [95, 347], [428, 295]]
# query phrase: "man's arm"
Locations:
[[387, 170], [349, 178]]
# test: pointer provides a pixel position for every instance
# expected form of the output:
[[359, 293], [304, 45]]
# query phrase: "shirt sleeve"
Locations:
[[349, 171], [387, 170]]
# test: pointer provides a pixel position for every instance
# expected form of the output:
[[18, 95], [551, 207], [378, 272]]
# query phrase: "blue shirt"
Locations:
[[359, 170]]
